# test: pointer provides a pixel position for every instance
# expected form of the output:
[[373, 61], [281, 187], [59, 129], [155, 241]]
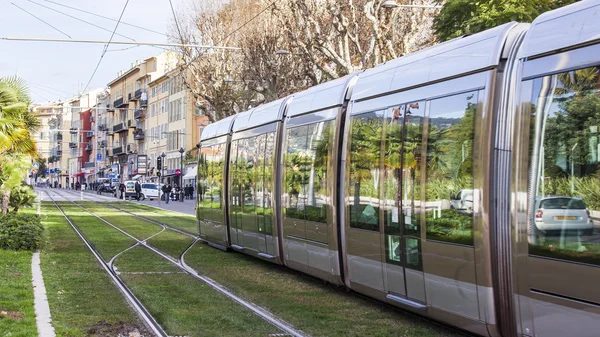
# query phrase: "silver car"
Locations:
[[561, 213]]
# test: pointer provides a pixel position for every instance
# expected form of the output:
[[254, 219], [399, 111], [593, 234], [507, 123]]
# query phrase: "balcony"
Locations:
[[89, 147], [138, 135], [138, 94], [139, 114], [109, 108], [72, 145], [73, 131], [59, 137], [102, 127], [119, 103], [89, 164], [117, 150], [119, 127], [131, 124], [90, 134]]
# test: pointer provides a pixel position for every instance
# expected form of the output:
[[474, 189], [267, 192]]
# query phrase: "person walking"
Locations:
[[138, 190], [191, 192], [167, 192], [122, 189]]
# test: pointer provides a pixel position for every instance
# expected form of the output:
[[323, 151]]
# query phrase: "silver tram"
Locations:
[[461, 182]]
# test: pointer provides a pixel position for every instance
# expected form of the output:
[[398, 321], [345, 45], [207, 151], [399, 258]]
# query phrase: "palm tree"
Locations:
[[17, 147]]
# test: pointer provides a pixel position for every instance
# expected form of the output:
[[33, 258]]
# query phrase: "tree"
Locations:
[[341, 37], [17, 147], [21, 196], [463, 17]]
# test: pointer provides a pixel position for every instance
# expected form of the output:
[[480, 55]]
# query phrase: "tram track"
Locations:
[[135, 303], [285, 328]]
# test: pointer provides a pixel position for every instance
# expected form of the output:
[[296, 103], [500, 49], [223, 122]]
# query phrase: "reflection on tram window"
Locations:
[[268, 183], [565, 166], [210, 182], [235, 182], [295, 172], [366, 133], [449, 186], [217, 181], [402, 184], [306, 163]]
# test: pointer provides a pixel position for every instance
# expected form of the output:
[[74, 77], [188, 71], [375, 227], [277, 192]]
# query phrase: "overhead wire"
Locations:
[[106, 17], [176, 22], [45, 86], [78, 19], [106, 47], [53, 27]]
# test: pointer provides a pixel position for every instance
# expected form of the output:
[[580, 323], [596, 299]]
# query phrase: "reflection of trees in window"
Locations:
[[565, 162], [364, 166], [451, 133], [306, 162]]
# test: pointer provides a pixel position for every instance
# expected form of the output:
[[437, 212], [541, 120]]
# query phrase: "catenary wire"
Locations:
[[24, 10], [106, 47], [106, 17], [78, 19]]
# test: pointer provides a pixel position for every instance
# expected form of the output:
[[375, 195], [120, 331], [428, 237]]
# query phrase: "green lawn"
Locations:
[[184, 222], [137, 228], [305, 302], [105, 239], [17, 317], [183, 305], [83, 300]]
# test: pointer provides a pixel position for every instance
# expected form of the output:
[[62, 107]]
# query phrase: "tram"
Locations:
[[461, 182]]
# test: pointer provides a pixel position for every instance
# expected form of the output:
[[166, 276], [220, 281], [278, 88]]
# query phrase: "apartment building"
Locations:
[[128, 94], [45, 146], [172, 125]]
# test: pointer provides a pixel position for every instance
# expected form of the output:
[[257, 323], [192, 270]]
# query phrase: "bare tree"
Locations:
[[343, 36]]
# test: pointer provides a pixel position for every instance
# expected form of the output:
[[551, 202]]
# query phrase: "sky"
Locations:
[[60, 70]]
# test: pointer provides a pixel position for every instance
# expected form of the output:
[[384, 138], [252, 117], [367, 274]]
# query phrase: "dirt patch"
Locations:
[[17, 316], [15, 274], [120, 329]]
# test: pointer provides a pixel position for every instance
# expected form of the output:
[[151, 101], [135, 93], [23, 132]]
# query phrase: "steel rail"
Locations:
[[180, 263], [131, 298]]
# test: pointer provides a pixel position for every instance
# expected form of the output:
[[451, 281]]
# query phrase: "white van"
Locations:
[[150, 191]]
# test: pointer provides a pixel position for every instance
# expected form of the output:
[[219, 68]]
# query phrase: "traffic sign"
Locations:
[[99, 156], [36, 165]]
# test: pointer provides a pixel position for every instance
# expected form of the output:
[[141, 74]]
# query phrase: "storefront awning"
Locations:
[[136, 177], [191, 174]]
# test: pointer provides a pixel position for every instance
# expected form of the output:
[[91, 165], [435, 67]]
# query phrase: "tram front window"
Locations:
[[565, 206]]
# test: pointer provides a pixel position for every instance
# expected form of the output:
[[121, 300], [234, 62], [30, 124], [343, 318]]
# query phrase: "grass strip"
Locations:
[[187, 307], [305, 302], [17, 316], [140, 259], [105, 239], [137, 228], [171, 243], [83, 300], [179, 221]]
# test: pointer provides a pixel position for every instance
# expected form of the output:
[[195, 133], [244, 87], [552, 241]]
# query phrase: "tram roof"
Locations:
[[217, 129], [455, 57], [326, 95], [261, 115], [572, 25]]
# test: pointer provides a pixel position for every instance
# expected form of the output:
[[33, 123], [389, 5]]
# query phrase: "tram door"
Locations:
[[403, 198]]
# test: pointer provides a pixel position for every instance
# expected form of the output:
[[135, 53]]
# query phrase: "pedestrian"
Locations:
[[191, 192], [138, 190], [122, 189], [167, 191]]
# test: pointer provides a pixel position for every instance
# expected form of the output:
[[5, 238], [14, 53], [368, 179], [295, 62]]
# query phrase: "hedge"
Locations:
[[20, 231]]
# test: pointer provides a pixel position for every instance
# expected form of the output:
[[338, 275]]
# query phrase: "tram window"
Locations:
[[259, 170], [234, 182], [402, 184], [268, 181], [295, 172], [565, 166], [450, 138], [366, 132], [318, 150], [202, 184], [217, 182]]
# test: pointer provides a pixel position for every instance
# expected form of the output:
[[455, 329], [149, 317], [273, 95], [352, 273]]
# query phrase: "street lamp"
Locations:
[[391, 4], [181, 151]]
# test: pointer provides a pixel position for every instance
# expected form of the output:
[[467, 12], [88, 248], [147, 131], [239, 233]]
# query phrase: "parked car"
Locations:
[[462, 201], [150, 190], [561, 213]]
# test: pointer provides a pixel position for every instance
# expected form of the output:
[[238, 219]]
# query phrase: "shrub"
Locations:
[[21, 197], [20, 231]]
